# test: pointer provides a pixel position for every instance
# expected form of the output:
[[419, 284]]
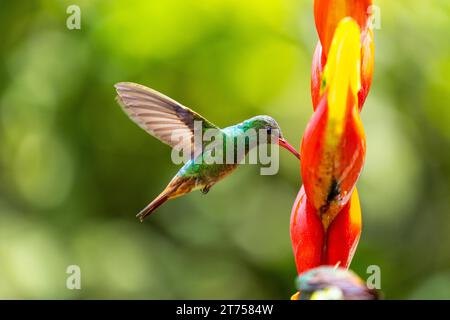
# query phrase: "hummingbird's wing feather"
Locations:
[[161, 116]]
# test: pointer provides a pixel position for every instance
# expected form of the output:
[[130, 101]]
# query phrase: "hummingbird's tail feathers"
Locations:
[[155, 204], [176, 188]]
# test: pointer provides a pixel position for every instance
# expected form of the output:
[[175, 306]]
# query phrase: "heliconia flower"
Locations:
[[327, 14], [333, 146], [313, 245]]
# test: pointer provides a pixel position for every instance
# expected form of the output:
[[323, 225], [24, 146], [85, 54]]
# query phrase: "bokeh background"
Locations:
[[74, 170]]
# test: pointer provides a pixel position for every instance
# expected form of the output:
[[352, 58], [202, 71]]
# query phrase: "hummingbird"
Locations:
[[332, 283], [161, 117]]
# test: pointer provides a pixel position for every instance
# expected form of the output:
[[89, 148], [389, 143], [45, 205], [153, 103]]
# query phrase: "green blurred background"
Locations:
[[74, 170]]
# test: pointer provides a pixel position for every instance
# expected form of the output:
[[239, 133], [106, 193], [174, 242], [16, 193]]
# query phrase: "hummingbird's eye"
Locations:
[[269, 131]]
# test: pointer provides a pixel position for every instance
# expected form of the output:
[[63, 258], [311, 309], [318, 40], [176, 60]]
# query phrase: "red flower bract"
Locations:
[[312, 245], [307, 234]]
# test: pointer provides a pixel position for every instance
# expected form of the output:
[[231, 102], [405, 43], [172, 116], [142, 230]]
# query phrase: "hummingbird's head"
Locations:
[[273, 130], [264, 123]]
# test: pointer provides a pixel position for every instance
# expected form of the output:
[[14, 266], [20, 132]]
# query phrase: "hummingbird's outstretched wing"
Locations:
[[160, 115]]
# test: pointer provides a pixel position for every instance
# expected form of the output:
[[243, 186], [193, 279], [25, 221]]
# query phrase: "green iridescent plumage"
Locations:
[[162, 116]]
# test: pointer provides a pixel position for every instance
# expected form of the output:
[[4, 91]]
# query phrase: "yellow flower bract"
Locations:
[[342, 74]]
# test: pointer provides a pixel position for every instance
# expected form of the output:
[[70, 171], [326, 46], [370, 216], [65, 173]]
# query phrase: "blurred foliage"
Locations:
[[74, 170]]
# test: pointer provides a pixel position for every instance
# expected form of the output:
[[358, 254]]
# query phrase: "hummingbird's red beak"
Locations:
[[283, 143]]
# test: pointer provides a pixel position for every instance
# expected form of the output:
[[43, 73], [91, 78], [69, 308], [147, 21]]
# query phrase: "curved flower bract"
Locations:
[[343, 234], [367, 65], [307, 234], [328, 14], [318, 62]]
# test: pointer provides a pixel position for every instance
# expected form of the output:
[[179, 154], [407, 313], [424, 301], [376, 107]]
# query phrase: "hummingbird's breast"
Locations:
[[219, 158]]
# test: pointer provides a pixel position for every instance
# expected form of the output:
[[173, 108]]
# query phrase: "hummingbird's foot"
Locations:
[[205, 190]]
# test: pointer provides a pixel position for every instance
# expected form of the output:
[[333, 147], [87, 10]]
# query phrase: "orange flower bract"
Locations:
[[328, 14]]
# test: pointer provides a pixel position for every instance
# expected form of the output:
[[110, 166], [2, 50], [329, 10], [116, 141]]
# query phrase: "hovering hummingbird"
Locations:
[[333, 283], [161, 116]]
